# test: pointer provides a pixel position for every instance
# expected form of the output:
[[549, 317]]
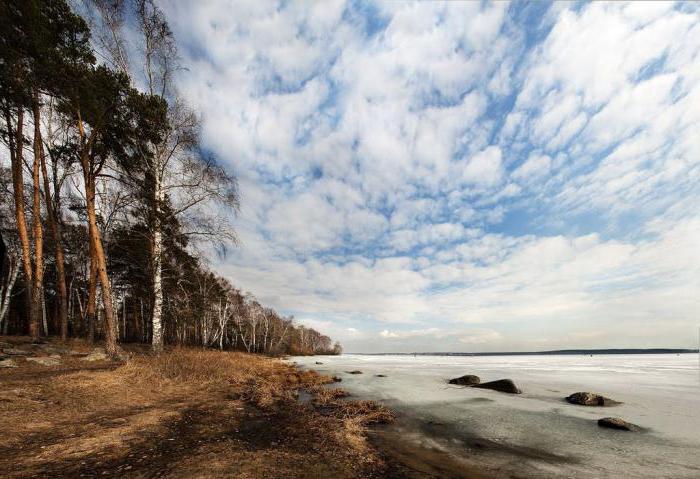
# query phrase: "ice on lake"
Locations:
[[537, 433]]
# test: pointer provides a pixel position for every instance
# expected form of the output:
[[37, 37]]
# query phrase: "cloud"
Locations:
[[480, 336], [484, 167], [409, 170], [535, 167], [433, 332]]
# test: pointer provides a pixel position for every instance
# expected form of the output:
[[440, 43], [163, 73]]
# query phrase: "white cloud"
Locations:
[[389, 187], [480, 336], [414, 333], [536, 166], [484, 168]]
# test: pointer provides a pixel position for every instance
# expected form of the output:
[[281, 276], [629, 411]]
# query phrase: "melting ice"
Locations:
[[537, 432]]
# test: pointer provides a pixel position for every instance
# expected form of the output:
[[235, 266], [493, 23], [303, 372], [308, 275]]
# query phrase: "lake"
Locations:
[[537, 433]]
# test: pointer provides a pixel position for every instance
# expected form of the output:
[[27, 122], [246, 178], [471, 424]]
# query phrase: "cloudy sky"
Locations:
[[460, 176]]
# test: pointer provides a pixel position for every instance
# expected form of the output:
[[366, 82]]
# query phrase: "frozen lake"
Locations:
[[537, 433]]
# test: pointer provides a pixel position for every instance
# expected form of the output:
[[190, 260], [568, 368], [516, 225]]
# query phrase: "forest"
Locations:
[[110, 205]]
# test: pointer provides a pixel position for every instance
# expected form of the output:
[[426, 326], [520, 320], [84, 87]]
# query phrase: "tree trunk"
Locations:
[[157, 261], [38, 280], [6, 291], [55, 227], [16, 143], [97, 251], [91, 308]]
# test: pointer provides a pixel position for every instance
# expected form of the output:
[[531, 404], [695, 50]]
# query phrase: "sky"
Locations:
[[458, 176]]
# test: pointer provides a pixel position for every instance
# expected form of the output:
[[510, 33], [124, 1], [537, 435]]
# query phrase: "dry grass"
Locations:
[[184, 413], [328, 396]]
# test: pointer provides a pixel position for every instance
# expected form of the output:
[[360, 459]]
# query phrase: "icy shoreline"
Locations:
[[545, 434]]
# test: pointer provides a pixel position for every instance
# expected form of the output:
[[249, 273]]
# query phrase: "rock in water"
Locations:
[[501, 385], [354, 372], [8, 363], [466, 380], [617, 423], [319, 362], [45, 360], [590, 399], [336, 379]]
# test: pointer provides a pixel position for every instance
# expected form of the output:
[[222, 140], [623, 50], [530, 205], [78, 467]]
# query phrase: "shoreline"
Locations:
[[415, 448], [186, 413], [536, 433]]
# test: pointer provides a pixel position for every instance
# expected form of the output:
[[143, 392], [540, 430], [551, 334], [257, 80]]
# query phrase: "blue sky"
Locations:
[[459, 176]]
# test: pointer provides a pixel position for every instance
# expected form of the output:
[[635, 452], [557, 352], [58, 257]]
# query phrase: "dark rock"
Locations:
[[466, 380], [354, 372], [617, 423], [501, 385], [590, 399], [380, 375], [336, 379], [319, 362]]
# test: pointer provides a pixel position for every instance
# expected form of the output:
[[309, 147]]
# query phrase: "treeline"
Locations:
[[106, 191]]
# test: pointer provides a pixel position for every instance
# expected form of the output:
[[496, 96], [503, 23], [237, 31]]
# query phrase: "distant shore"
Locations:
[[560, 352]]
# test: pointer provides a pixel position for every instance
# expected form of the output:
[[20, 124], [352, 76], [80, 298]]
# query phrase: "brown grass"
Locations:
[[184, 413]]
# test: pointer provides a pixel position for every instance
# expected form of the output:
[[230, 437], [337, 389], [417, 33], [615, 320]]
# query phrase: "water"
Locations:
[[537, 433]]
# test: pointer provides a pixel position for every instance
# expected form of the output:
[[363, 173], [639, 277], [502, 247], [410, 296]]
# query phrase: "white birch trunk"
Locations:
[[6, 292], [157, 252]]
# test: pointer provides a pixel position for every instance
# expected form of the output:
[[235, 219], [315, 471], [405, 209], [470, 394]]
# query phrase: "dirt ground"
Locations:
[[187, 413]]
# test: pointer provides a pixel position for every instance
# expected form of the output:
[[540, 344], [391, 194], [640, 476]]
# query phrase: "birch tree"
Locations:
[[10, 265], [177, 178]]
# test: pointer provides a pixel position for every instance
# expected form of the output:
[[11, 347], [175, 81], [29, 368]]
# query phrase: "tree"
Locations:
[[176, 178], [46, 40], [9, 270], [53, 208], [100, 104], [115, 168]]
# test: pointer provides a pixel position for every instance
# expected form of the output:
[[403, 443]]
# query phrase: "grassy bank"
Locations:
[[185, 413]]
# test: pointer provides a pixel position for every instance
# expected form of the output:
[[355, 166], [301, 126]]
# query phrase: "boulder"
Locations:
[[319, 362], [380, 375], [17, 352], [617, 423], [336, 379], [46, 360], [501, 385], [8, 363], [466, 380], [590, 399], [354, 372], [97, 354], [51, 350]]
